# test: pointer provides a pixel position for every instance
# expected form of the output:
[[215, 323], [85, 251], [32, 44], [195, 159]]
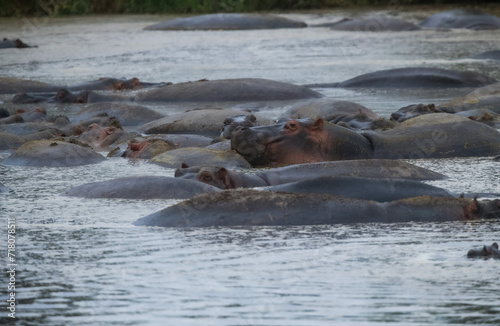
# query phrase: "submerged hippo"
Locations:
[[65, 96], [491, 55], [10, 85], [409, 77], [347, 113], [9, 141], [196, 155], [148, 148], [371, 24], [223, 178], [17, 43], [487, 97], [127, 114], [462, 18], [205, 122], [227, 22], [141, 187], [485, 252], [306, 141], [244, 89], [113, 84], [247, 207], [380, 190], [101, 138], [412, 111], [53, 154]]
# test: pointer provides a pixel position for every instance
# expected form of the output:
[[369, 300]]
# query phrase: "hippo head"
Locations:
[[148, 148], [133, 83], [65, 96], [487, 209], [290, 142], [485, 251], [216, 176], [97, 136]]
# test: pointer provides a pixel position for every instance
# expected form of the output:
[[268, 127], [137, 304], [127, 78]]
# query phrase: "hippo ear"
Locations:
[[495, 245], [472, 210], [184, 165], [224, 177], [318, 124], [110, 130]]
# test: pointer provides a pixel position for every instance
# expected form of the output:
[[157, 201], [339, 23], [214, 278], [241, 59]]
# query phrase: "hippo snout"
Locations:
[[248, 143]]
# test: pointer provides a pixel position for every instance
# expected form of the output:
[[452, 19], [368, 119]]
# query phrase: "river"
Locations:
[[82, 262]]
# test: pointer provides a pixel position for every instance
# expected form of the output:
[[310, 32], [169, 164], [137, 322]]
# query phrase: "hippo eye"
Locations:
[[291, 125], [206, 178]]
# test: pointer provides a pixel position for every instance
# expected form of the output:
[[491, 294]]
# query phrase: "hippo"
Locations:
[[17, 43], [141, 187], [127, 114], [298, 141], [36, 115], [347, 113], [462, 18], [380, 190], [147, 149], [196, 155], [412, 111], [51, 153], [162, 143], [15, 118], [223, 178], [101, 138], [65, 96], [411, 77], [487, 97], [243, 89], [371, 24], [185, 140], [249, 207], [4, 113], [11, 85], [9, 141], [227, 22], [113, 84], [204, 122], [490, 55], [485, 252], [482, 115]]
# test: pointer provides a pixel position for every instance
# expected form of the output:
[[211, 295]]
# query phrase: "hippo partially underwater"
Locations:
[[462, 18], [227, 22], [248, 207], [371, 24], [485, 252], [225, 178], [414, 77], [298, 141]]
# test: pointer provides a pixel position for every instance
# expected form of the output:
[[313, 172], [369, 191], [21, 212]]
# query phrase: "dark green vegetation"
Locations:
[[80, 7]]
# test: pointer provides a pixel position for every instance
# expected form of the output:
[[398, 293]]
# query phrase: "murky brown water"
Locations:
[[81, 262]]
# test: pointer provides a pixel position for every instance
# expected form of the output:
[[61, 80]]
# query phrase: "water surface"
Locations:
[[82, 262]]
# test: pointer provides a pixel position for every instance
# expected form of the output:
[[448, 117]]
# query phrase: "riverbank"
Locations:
[[41, 8]]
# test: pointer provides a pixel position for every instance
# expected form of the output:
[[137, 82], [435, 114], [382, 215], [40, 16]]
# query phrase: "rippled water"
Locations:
[[81, 262]]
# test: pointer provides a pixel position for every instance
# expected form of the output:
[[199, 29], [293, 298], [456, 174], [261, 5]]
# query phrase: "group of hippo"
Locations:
[[322, 161]]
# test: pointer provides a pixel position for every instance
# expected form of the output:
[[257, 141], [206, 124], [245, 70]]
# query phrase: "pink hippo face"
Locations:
[[100, 137]]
